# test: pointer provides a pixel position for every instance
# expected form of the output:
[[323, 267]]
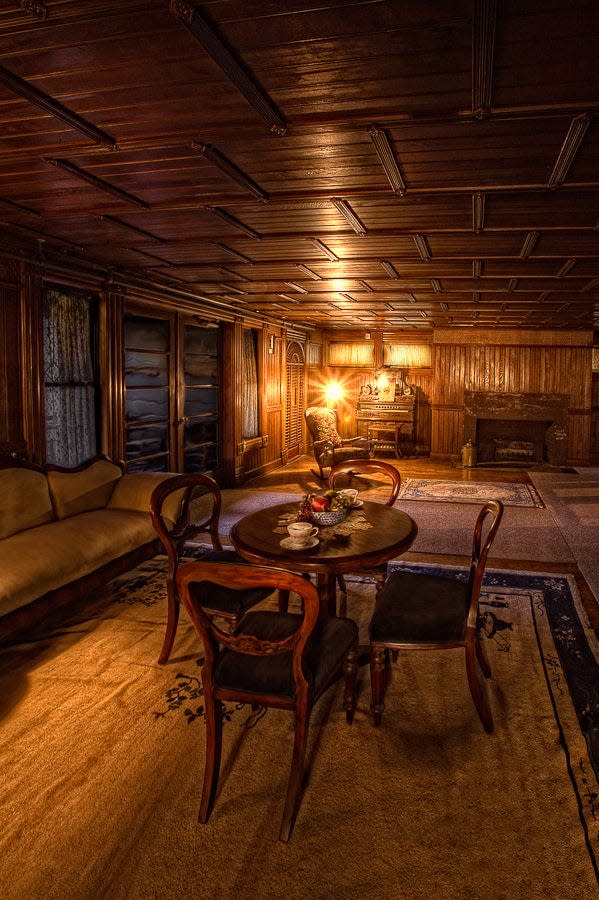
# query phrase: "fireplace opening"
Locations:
[[518, 420], [512, 441]]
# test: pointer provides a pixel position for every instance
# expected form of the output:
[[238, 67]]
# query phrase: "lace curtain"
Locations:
[[70, 389], [250, 384]]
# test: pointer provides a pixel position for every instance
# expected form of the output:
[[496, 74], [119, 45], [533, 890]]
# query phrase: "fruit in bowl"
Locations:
[[327, 508]]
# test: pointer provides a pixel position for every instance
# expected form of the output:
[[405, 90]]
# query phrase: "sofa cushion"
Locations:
[[50, 556], [77, 492], [25, 500], [135, 489]]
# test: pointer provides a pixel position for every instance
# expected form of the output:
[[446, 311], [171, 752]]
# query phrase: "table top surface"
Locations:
[[392, 533]]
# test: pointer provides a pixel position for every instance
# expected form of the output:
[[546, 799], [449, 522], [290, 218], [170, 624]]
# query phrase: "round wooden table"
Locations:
[[392, 533]]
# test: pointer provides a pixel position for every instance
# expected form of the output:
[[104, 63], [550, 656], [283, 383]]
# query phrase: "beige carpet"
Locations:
[[526, 533], [102, 755], [574, 503]]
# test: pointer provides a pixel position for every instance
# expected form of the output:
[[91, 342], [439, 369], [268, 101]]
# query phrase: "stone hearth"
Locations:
[[532, 427]]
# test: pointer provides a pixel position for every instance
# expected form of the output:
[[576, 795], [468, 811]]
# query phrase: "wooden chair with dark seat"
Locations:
[[274, 659], [435, 612], [173, 504], [328, 446], [343, 473]]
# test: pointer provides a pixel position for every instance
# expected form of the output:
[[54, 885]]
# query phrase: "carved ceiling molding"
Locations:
[[141, 231], [98, 182], [48, 104], [483, 49], [212, 42], [229, 168]]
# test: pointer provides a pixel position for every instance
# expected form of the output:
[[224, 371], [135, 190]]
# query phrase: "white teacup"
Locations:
[[301, 533], [351, 494]]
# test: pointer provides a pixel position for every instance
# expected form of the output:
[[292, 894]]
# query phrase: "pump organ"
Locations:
[[388, 418]]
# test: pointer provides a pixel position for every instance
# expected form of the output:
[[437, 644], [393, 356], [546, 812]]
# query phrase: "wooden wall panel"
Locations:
[[579, 439], [594, 449], [447, 425], [480, 364], [11, 400]]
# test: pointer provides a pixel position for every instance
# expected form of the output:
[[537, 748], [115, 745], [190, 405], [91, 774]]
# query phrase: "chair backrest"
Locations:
[[198, 495], [293, 638], [485, 530], [322, 424], [366, 467]]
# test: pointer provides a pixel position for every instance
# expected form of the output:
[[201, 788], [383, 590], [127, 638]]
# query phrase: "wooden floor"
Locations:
[[411, 467], [421, 467]]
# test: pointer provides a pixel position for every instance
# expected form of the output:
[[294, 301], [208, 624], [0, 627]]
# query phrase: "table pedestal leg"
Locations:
[[327, 589]]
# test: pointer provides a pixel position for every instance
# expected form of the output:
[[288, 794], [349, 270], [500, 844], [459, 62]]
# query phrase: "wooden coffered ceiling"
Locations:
[[334, 164]]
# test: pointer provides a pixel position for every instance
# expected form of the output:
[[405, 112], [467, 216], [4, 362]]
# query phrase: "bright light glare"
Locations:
[[333, 392]]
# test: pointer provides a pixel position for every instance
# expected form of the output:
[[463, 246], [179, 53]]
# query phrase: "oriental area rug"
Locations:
[[469, 492], [103, 750]]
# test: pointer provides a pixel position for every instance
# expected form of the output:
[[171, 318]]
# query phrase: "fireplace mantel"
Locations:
[[549, 408]]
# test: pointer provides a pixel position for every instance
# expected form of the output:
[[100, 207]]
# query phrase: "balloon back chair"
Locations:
[[435, 612], [270, 659], [174, 503], [343, 473], [328, 446]]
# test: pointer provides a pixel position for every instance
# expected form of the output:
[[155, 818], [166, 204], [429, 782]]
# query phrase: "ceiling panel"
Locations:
[[436, 163]]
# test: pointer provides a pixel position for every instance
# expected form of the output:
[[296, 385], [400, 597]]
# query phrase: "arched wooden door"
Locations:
[[293, 445]]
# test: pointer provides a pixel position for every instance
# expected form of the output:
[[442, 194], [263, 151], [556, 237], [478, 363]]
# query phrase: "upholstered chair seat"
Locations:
[[274, 674], [423, 611], [285, 660]]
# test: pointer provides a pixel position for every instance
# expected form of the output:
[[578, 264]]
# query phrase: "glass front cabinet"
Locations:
[[171, 403], [200, 364]]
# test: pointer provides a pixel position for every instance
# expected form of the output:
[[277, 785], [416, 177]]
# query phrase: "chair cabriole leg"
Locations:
[[172, 620], [296, 776], [478, 696], [214, 742]]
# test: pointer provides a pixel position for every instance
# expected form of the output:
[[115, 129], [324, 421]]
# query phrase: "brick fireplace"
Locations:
[[508, 427]]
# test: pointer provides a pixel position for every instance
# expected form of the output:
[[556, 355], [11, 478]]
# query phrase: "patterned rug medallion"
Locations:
[[102, 757], [469, 492]]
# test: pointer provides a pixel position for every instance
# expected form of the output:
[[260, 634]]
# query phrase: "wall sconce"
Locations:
[[271, 343]]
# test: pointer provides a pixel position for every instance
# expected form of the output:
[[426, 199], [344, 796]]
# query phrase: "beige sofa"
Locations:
[[64, 532]]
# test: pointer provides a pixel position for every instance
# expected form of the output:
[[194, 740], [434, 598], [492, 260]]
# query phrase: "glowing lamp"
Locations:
[[333, 393]]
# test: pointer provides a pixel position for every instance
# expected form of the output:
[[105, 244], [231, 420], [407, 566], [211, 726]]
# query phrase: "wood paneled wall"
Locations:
[[12, 437], [21, 375], [514, 361], [503, 360], [595, 420]]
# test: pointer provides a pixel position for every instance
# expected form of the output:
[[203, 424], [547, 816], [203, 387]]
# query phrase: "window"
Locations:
[[70, 376], [251, 424]]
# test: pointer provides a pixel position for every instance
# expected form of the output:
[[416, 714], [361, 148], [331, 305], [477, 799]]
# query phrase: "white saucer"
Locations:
[[357, 504], [288, 544]]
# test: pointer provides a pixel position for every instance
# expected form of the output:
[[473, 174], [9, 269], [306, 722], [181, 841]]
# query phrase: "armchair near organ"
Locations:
[[328, 445]]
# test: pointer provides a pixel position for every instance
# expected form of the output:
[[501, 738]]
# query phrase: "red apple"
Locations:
[[319, 504]]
